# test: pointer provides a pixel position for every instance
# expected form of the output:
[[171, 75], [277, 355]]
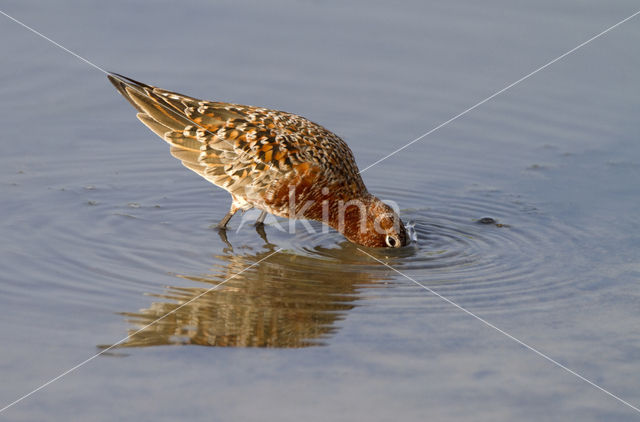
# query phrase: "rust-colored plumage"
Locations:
[[275, 161]]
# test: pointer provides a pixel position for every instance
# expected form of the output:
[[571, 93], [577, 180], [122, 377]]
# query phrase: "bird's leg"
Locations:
[[222, 225], [263, 234], [260, 220]]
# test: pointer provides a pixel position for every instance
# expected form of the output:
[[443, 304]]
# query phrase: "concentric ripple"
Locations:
[[493, 250]]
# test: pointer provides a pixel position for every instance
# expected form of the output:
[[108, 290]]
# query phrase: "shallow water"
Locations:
[[103, 231]]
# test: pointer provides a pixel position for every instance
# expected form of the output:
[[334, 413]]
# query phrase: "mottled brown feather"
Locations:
[[243, 149]]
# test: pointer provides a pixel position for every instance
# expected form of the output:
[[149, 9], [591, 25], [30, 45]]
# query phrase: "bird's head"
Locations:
[[372, 223]]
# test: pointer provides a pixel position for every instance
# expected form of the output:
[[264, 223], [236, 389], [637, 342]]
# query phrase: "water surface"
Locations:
[[103, 231]]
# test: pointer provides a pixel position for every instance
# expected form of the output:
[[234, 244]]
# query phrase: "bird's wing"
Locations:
[[239, 148]]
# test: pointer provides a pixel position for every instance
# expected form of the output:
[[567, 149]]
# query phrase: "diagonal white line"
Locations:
[[520, 342], [527, 76], [129, 84], [68, 371], [55, 43]]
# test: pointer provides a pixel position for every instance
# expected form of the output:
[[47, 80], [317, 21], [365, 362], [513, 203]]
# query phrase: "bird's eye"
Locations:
[[391, 241]]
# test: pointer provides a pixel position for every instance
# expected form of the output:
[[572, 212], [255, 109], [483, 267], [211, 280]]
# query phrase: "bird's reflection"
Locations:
[[286, 300]]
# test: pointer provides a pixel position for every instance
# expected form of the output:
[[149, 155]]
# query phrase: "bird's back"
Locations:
[[252, 152]]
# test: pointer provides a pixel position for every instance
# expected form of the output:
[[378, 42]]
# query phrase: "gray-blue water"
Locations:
[[102, 231]]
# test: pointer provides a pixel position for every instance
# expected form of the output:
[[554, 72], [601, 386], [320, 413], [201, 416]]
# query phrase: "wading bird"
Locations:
[[277, 162]]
